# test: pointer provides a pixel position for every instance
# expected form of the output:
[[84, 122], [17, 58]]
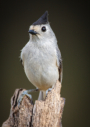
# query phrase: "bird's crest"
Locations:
[[42, 20]]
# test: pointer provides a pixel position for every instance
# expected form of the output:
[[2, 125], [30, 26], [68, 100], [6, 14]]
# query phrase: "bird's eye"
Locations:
[[43, 28]]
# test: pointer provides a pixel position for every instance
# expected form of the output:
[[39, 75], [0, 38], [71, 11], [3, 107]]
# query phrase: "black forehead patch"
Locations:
[[42, 20]]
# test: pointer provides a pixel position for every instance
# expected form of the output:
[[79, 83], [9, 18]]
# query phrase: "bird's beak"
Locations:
[[32, 32]]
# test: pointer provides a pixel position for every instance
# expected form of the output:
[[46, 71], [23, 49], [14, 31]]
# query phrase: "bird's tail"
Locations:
[[42, 95]]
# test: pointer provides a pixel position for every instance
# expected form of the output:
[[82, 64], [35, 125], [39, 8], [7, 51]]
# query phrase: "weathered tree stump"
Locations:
[[46, 113]]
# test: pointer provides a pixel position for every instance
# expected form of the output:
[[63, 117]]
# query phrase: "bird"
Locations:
[[41, 57]]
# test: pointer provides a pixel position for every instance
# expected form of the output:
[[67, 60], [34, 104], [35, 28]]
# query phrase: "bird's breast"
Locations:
[[40, 68]]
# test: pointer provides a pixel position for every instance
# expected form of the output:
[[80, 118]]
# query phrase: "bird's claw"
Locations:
[[48, 90], [22, 96], [26, 92]]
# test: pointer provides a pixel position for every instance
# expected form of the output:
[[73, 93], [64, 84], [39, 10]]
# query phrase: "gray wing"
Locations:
[[59, 63]]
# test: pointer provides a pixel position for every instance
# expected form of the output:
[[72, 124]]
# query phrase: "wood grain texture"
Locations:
[[46, 113]]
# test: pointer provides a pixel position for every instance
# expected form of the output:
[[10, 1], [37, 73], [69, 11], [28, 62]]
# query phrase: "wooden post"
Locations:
[[46, 113]]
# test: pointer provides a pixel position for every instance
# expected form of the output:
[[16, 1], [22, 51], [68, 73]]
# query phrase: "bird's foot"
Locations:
[[26, 92], [48, 90]]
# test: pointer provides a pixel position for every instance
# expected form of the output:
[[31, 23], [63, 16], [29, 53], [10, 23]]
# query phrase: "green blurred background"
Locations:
[[70, 22]]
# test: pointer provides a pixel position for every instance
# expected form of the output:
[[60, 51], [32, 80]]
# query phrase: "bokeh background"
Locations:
[[70, 22]]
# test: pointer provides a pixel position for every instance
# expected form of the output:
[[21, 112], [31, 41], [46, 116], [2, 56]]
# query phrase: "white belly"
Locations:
[[40, 67], [42, 75]]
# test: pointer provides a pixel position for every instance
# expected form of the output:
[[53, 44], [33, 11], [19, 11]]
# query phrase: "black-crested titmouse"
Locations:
[[41, 56]]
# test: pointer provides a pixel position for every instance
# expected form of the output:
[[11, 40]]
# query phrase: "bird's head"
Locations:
[[41, 30]]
